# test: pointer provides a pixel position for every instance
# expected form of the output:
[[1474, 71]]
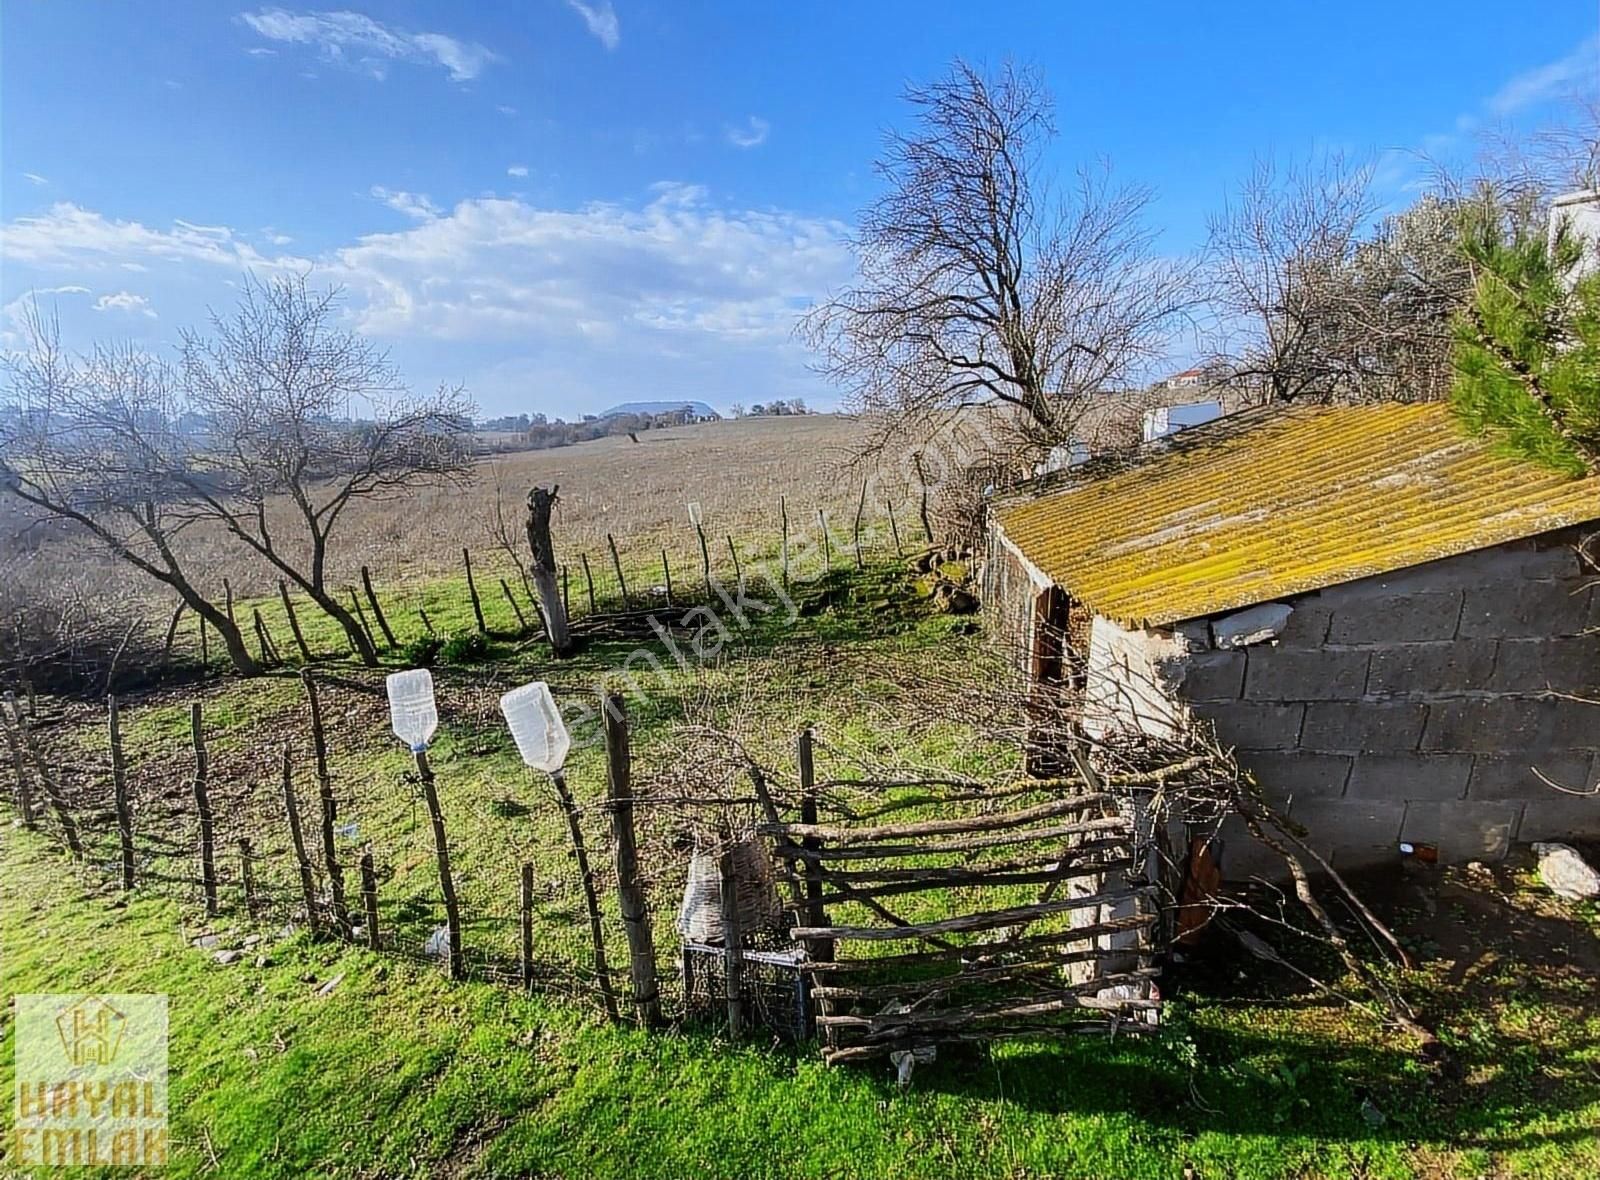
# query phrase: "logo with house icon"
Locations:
[[91, 1031]]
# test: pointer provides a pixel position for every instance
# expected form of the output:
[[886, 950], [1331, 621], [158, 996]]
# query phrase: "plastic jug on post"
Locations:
[[536, 726], [412, 712]]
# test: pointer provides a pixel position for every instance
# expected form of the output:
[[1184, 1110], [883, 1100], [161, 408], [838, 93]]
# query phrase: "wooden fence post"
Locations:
[[52, 789], [24, 787], [361, 617], [522, 622], [308, 884], [783, 551], [205, 646], [377, 611], [247, 876], [588, 578], [894, 529], [526, 914], [269, 650], [202, 803], [427, 623], [705, 557], [566, 598], [172, 632], [591, 899], [472, 591], [827, 544], [738, 571], [447, 883], [821, 950], [861, 507], [666, 572], [119, 791], [294, 621], [630, 893], [319, 748], [369, 900], [616, 564], [732, 936]]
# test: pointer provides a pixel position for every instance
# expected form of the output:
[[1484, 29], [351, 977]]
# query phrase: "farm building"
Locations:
[[1389, 621]]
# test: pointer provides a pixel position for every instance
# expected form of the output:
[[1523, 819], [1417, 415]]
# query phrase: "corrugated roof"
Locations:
[[1260, 506]]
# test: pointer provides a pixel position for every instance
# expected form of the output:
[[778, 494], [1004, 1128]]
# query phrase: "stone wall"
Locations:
[[1420, 706]]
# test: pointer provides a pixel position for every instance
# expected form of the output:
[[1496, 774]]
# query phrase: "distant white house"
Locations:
[[1187, 379]]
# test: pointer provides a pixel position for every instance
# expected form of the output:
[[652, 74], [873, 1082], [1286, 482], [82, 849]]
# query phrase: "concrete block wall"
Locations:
[[1418, 706]]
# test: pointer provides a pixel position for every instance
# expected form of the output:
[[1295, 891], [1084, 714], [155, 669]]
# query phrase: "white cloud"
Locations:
[[1555, 79], [358, 41], [752, 133], [505, 110], [35, 178], [69, 236], [517, 170], [415, 205], [601, 19], [125, 301]]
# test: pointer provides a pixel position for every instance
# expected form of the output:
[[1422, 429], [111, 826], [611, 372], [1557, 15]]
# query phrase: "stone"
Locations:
[[1247, 627], [1566, 873], [263, 960], [1534, 610], [1213, 676], [1254, 725], [1444, 667], [1355, 726], [207, 942], [1402, 618], [1276, 674], [1570, 664], [1495, 724], [1410, 776], [227, 957]]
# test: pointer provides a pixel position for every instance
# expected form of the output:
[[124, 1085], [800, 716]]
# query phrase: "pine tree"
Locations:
[[1527, 344]]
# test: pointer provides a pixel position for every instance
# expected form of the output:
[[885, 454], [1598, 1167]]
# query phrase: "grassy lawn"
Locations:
[[396, 1071]]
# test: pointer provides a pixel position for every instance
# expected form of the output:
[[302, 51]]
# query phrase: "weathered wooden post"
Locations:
[[616, 564], [414, 716], [588, 579], [172, 632], [525, 912], [47, 781], [543, 742], [522, 622], [269, 650], [247, 876], [696, 518], [821, 950], [732, 936], [377, 610], [666, 573], [427, 623], [555, 608], [24, 787], [369, 900], [922, 485], [566, 596], [205, 647], [630, 893], [202, 804], [119, 791], [894, 529], [472, 592], [294, 620], [361, 617], [861, 507], [783, 550], [329, 807], [308, 883], [827, 544]]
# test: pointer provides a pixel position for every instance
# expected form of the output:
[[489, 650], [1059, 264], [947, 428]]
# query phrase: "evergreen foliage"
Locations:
[[1527, 343]]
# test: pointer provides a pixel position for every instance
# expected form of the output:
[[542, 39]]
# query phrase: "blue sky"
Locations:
[[564, 204]]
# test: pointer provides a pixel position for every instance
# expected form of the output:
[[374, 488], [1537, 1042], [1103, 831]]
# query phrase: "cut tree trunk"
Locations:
[[545, 572]]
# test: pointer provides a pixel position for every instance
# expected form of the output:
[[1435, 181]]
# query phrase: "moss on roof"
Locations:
[[1262, 506]]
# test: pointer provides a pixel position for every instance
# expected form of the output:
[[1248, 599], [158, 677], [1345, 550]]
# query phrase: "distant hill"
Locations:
[[699, 409]]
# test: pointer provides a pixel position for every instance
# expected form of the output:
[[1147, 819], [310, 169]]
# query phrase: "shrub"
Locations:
[[423, 651], [465, 649]]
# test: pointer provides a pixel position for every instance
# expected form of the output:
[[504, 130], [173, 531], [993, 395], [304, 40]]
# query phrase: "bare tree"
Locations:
[[1316, 299], [982, 286], [308, 412], [93, 442]]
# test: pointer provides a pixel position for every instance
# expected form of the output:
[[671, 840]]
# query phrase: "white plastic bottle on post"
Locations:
[[536, 726], [412, 713]]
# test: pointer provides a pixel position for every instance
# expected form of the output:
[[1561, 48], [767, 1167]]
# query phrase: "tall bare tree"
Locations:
[[92, 442], [981, 285], [307, 412]]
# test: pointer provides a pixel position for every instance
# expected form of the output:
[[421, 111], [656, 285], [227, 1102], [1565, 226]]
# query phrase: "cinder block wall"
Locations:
[[1418, 706]]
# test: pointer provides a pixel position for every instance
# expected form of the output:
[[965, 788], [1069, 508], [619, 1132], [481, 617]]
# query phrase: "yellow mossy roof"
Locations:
[[1266, 505]]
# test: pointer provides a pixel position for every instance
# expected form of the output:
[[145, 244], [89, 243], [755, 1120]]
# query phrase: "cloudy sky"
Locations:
[[566, 204]]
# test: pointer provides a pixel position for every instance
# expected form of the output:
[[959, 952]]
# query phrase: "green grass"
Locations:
[[399, 1072]]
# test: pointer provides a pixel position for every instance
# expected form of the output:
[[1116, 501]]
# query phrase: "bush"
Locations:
[[422, 652], [465, 649]]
